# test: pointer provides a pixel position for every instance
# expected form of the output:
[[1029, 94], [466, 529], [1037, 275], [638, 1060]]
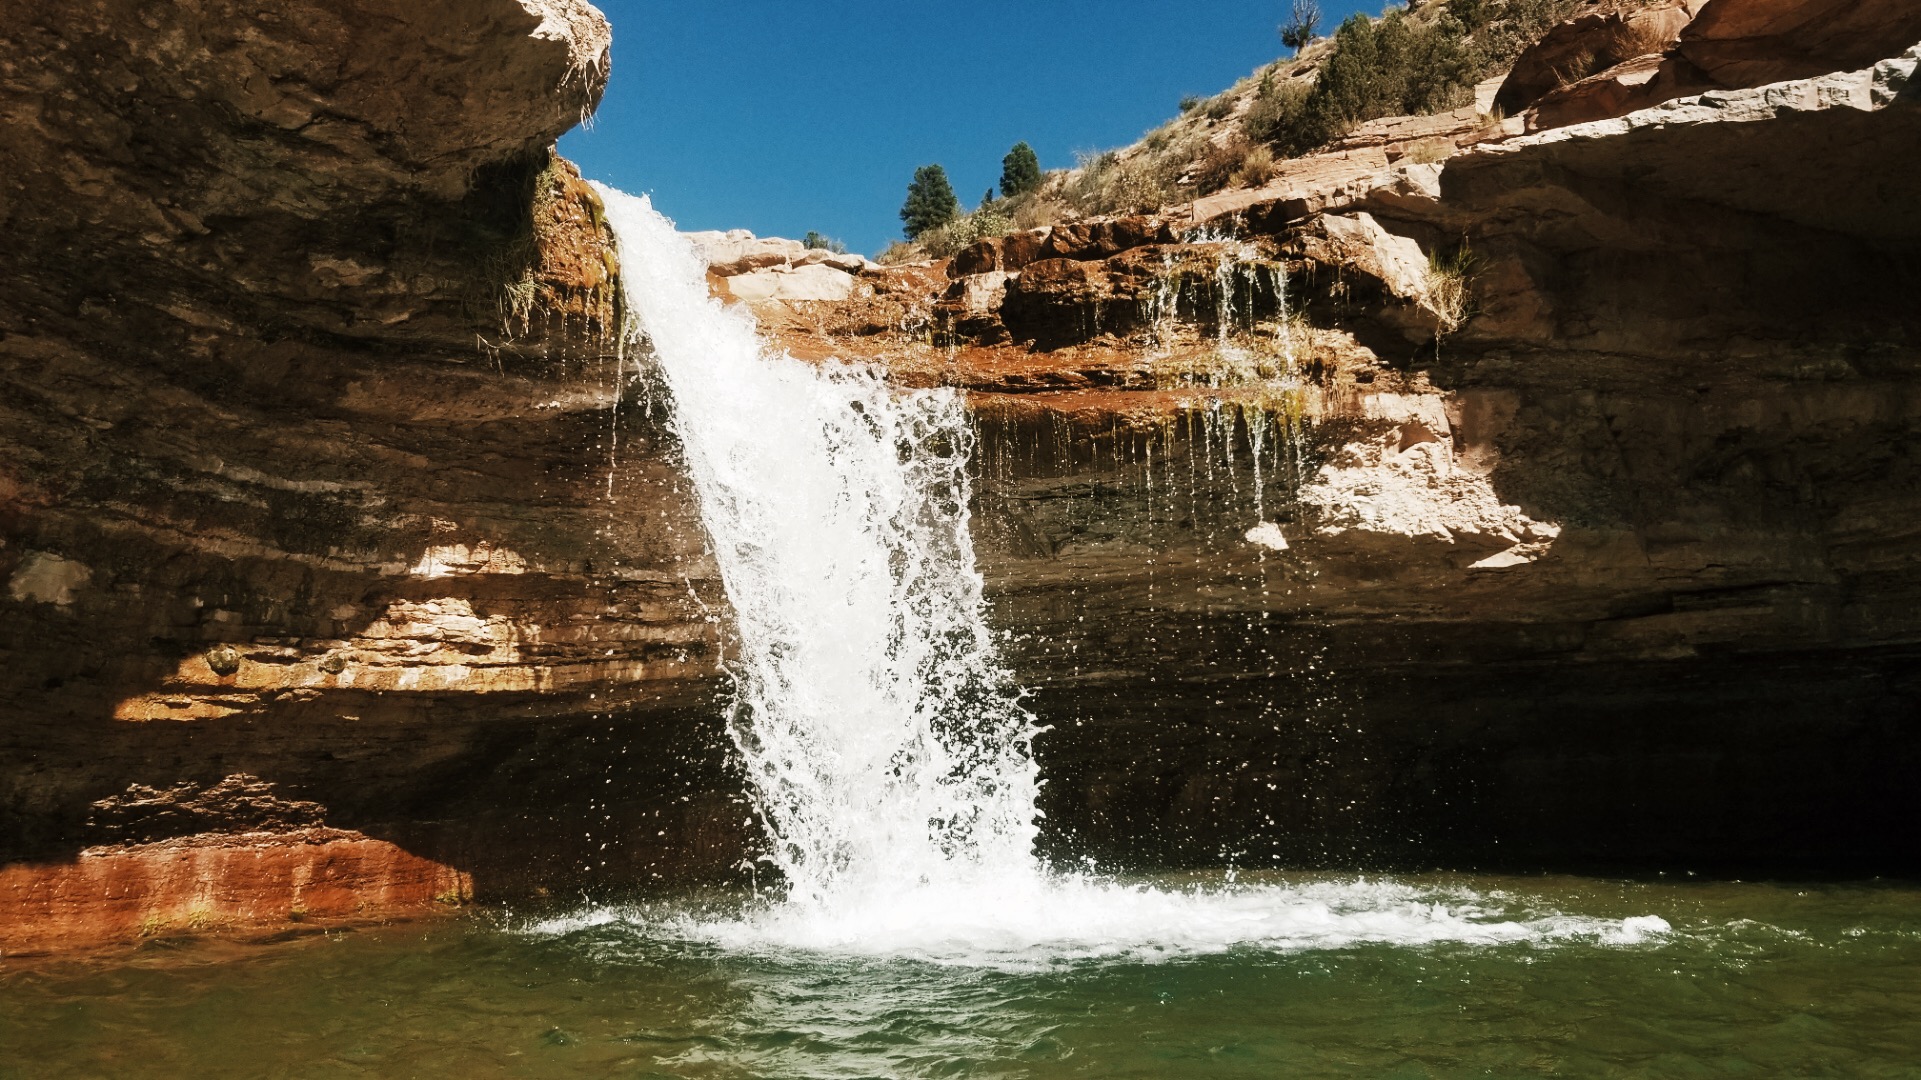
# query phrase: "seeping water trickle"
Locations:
[[886, 743]]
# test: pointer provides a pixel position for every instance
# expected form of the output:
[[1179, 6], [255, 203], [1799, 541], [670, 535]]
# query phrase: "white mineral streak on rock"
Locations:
[[1268, 535], [1406, 481], [448, 560], [45, 578]]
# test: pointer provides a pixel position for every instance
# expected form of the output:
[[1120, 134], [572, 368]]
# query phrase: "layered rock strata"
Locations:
[[327, 482], [1464, 496], [1546, 506]]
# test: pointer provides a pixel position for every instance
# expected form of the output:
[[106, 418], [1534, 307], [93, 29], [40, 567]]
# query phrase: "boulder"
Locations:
[[839, 260], [980, 257], [813, 281], [1056, 302], [1358, 247], [1019, 249], [739, 251], [1105, 238], [978, 294]]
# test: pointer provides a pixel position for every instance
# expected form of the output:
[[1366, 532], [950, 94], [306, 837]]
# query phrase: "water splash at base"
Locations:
[[1037, 923]]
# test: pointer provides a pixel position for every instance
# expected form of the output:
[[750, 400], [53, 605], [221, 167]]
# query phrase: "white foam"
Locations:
[[1003, 924], [884, 740]]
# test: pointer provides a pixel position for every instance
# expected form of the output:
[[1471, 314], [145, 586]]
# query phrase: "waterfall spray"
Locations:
[[883, 738]]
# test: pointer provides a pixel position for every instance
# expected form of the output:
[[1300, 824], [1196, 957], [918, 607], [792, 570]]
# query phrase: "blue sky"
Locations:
[[808, 114]]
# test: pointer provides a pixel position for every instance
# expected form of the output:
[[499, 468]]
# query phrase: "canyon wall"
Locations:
[[347, 568], [1526, 492], [1564, 516]]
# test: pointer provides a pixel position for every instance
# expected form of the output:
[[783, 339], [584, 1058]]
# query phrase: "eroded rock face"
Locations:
[[329, 502], [1741, 43], [1608, 65], [1590, 45], [1615, 572], [226, 882]]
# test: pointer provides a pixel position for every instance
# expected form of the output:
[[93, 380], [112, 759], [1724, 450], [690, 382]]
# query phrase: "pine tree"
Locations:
[[1020, 171], [930, 201]]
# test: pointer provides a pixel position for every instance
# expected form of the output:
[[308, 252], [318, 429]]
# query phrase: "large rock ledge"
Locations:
[[323, 473]]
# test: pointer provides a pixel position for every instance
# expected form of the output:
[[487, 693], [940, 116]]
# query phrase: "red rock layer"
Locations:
[[235, 882]]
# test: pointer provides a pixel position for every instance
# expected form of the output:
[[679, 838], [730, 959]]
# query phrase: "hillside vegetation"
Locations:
[[1409, 61]]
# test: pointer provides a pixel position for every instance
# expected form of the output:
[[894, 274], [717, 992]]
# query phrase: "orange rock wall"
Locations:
[[245, 883]]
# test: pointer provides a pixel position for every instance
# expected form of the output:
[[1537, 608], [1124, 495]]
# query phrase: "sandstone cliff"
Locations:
[[324, 482], [1520, 492], [1561, 515]]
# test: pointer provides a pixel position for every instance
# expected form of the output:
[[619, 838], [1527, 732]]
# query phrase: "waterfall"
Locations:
[[887, 747]]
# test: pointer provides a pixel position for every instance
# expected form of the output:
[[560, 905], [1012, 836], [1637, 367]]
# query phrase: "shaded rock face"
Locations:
[[329, 500], [1607, 65], [1586, 46], [1566, 522], [1754, 42]]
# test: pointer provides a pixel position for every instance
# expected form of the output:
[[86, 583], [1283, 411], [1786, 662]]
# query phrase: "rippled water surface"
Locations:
[[1295, 977]]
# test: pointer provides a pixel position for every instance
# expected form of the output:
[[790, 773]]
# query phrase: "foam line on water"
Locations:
[[1069, 919]]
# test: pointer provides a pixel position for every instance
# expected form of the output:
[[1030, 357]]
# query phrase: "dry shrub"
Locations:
[[1429, 151], [1042, 209], [1257, 167], [1577, 66], [1110, 184], [1278, 112], [963, 231], [1217, 167], [1642, 39], [1450, 289], [900, 251]]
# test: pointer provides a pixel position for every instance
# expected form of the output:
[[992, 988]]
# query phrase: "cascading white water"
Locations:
[[884, 740], [887, 746]]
